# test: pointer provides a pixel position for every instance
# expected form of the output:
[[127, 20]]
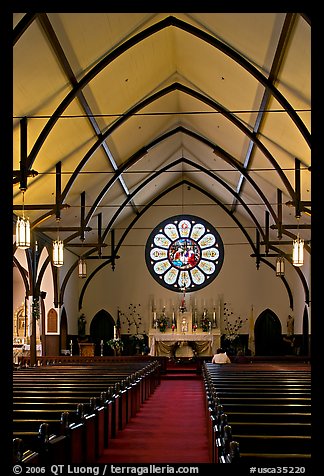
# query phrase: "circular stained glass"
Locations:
[[184, 251]]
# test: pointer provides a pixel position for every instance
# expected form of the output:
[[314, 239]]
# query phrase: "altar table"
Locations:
[[162, 343]]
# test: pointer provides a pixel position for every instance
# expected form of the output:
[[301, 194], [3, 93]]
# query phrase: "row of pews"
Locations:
[[68, 413], [258, 414]]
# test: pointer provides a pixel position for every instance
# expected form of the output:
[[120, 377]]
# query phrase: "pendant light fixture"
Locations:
[[82, 267], [298, 250], [58, 247], [280, 266], [23, 229], [82, 264]]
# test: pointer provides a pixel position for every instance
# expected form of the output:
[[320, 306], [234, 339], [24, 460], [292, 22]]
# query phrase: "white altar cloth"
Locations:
[[213, 339]]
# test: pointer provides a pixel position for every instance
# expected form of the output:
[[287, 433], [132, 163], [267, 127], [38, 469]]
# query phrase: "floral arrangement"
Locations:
[[116, 344], [138, 341], [232, 327], [162, 322], [205, 322]]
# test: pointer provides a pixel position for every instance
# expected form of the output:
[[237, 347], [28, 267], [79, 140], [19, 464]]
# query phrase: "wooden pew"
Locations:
[[22, 455], [111, 410], [268, 412]]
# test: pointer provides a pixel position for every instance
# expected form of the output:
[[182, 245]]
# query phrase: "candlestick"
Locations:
[[71, 346], [115, 332], [214, 318], [101, 347]]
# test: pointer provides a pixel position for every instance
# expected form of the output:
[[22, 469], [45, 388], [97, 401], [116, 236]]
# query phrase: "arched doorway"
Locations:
[[64, 330], [305, 339], [267, 334], [102, 329]]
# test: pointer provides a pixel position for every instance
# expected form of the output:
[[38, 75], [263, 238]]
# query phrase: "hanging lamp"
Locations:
[[82, 264], [23, 230], [58, 260], [82, 267], [280, 266], [58, 254], [298, 250]]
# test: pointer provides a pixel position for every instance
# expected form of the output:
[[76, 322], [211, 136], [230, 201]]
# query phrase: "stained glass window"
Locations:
[[184, 251]]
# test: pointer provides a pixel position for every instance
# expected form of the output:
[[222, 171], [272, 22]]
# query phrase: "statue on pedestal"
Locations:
[[82, 326]]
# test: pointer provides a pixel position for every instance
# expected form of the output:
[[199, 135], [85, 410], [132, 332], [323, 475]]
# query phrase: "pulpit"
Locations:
[[86, 349]]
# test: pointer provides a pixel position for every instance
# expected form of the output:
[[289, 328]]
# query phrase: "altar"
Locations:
[[183, 344]]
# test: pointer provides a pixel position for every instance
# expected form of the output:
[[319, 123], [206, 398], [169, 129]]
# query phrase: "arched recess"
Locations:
[[102, 329], [63, 330], [150, 204], [268, 334], [305, 337]]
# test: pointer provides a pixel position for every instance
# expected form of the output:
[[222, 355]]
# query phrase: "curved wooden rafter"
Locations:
[[150, 204], [137, 38]]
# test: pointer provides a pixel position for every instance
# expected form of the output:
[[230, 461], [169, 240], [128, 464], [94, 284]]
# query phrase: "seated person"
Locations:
[[221, 357]]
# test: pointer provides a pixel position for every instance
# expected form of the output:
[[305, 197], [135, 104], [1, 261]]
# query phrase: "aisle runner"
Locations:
[[169, 428]]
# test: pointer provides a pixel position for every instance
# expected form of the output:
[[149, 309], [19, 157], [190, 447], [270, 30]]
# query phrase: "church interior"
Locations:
[[161, 211]]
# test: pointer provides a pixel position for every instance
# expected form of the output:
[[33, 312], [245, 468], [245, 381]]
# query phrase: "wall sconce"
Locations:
[[280, 266]]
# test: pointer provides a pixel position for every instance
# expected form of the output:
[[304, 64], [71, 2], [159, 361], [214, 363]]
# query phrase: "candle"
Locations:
[[101, 342], [114, 332]]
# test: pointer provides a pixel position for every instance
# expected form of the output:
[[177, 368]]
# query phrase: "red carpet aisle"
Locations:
[[169, 428]]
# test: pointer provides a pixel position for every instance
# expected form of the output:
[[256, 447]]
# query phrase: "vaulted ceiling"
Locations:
[[114, 110]]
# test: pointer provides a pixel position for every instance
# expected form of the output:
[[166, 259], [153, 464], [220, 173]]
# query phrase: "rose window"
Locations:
[[184, 252]]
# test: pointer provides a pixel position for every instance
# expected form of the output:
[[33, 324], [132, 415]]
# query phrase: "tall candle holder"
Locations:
[[71, 347], [214, 318], [101, 348], [154, 317]]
